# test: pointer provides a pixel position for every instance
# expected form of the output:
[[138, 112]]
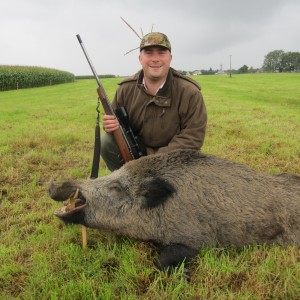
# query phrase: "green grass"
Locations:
[[254, 119], [47, 133]]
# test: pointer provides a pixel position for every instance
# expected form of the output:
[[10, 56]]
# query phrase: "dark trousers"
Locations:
[[110, 152]]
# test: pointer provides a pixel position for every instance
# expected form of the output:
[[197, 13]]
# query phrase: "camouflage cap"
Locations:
[[155, 39]]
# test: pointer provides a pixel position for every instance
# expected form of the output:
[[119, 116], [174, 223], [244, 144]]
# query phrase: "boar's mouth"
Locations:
[[70, 208]]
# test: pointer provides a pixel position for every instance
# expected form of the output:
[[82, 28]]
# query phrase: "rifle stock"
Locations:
[[118, 134], [126, 154], [129, 145]]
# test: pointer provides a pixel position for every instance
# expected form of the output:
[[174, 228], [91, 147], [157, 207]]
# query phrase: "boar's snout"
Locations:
[[72, 211], [61, 191]]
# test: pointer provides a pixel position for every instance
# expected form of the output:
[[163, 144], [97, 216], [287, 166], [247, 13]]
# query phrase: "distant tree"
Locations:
[[208, 72], [273, 61], [252, 70], [182, 72], [243, 69], [291, 62]]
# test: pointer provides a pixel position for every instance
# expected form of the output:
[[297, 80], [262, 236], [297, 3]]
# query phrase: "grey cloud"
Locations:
[[202, 32]]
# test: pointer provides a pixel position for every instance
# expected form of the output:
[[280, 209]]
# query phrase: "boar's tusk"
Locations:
[[72, 205], [72, 199]]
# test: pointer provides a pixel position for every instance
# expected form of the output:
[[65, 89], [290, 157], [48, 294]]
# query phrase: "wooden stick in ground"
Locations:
[[83, 228], [84, 237]]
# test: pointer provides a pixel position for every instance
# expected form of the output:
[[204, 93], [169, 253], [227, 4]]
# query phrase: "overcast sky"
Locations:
[[203, 33]]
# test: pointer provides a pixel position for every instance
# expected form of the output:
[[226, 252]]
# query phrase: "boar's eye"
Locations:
[[115, 187]]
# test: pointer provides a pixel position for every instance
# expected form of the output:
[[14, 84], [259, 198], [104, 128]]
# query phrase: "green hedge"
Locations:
[[19, 77], [92, 76]]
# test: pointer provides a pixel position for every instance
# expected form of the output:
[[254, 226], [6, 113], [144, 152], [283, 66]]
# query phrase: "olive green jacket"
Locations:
[[175, 118]]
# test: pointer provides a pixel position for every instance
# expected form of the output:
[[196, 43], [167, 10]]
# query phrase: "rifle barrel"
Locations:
[[91, 65]]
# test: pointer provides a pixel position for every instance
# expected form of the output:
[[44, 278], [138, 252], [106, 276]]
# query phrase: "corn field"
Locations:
[[20, 77]]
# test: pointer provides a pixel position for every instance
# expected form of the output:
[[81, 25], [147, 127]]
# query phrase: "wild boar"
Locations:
[[184, 200]]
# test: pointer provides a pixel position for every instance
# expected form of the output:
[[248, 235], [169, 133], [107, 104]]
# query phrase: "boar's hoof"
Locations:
[[173, 256]]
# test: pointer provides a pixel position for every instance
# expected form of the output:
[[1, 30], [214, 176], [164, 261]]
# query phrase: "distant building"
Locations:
[[220, 71], [196, 72]]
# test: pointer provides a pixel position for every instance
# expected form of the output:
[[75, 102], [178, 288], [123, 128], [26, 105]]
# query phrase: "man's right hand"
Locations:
[[110, 123]]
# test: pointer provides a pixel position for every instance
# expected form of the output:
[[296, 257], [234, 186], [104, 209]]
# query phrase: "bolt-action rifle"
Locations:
[[128, 143]]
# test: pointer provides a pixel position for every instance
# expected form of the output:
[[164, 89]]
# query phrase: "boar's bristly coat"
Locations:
[[184, 200]]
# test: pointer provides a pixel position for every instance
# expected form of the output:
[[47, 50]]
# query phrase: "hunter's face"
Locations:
[[155, 62]]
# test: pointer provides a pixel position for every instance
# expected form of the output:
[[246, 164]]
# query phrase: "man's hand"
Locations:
[[110, 123]]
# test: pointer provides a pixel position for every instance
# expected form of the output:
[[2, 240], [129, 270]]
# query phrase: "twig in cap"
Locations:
[[131, 50], [131, 28]]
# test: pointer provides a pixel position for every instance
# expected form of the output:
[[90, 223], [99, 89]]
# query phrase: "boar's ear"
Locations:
[[155, 191]]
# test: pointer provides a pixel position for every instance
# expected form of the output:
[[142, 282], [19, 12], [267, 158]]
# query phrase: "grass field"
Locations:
[[47, 133]]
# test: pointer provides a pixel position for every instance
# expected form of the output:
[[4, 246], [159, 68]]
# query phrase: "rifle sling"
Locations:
[[97, 146]]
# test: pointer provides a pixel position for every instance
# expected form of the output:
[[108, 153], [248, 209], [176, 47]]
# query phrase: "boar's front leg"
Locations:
[[174, 255]]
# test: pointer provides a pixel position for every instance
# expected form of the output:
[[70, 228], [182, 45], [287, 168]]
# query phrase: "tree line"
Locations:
[[274, 61], [280, 61]]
